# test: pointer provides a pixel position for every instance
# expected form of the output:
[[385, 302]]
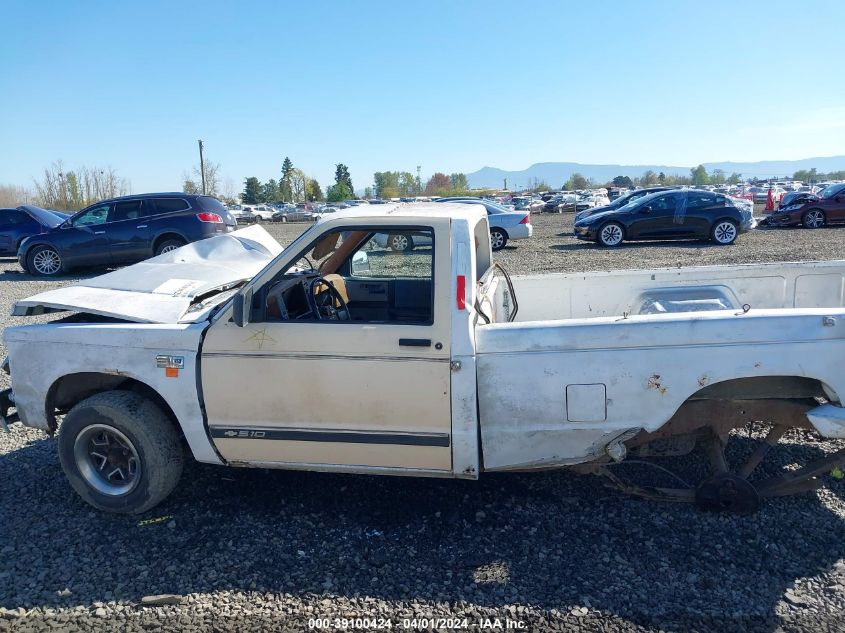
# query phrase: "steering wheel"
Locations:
[[326, 310]]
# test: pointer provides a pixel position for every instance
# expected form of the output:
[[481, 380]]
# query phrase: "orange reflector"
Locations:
[[462, 292], [171, 372]]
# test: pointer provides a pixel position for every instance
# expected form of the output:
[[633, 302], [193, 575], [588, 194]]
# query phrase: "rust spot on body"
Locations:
[[654, 383]]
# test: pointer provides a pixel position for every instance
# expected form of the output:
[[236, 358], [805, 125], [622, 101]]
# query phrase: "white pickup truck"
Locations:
[[336, 354]]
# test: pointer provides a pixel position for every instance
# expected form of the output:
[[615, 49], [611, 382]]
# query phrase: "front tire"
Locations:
[[498, 239], [400, 242], [120, 452], [724, 232], [813, 219], [256, 219], [611, 234], [44, 261]]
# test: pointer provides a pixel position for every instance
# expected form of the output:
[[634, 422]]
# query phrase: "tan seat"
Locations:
[[339, 284]]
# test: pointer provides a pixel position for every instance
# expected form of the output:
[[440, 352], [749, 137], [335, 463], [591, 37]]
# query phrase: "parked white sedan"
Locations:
[[505, 225]]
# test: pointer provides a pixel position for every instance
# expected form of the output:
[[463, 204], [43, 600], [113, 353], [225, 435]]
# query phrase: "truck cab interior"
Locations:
[[353, 275]]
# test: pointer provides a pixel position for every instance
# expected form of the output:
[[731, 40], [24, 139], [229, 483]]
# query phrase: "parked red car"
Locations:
[[813, 212]]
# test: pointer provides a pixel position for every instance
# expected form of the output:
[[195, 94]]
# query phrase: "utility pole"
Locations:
[[419, 182], [202, 168]]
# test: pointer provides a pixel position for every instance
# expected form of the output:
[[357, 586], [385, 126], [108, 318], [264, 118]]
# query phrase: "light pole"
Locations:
[[202, 168]]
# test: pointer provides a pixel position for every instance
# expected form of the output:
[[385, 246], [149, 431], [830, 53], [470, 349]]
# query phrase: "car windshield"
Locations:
[[832, 190], [50, 219]]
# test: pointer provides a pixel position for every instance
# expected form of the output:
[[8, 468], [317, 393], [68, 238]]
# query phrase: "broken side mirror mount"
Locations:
[[242, 307]]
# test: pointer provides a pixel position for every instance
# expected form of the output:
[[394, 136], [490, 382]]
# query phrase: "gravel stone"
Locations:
[[265, 550]]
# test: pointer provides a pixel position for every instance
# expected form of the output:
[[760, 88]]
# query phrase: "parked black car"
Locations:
[[621, 201], [19, 223], [123, 231], [690, 214]]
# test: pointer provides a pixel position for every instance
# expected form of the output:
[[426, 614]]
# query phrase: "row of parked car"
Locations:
[[130, 229], [667, 213], [111, 232]]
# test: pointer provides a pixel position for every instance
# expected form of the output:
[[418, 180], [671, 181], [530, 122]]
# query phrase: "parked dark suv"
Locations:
[[123, 231]]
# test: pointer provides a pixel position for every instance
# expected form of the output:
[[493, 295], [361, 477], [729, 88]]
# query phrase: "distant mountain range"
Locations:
[[555, 174]]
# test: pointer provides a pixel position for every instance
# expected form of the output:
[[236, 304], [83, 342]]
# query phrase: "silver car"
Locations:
[[505, 225]]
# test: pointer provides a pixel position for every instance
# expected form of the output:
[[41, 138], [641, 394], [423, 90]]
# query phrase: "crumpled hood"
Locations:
[[162, 289]]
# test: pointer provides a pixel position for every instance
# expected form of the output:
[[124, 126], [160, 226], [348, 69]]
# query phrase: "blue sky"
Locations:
[[450, 86]]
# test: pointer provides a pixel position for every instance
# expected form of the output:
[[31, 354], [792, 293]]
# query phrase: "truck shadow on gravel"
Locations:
[[552, 540]]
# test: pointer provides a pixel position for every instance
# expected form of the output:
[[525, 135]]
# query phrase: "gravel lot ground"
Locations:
[[267, 550]]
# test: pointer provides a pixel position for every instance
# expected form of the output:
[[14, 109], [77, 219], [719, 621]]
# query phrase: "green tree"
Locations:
[[253, 191], [734, 179], [313, 191], [407, 184], [649, 178], [699, 175], [623, 181], [285, 185], [459, 182], [270, 192], [576, 181], [718, 177], [338, 192], [341, 176], [386, 184]]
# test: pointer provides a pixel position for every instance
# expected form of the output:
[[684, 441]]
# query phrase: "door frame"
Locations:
[[284, 430]]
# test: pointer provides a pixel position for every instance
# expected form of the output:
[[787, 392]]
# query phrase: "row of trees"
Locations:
[[400, 184], [293, 186], [72, 189], [698, 176], [812, 175]]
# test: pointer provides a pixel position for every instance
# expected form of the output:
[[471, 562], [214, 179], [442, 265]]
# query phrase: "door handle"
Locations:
[[415, 342], [141, 226], [98, 232]]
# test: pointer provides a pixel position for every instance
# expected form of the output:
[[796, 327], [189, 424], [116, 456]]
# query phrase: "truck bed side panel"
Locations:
[[555, 393]]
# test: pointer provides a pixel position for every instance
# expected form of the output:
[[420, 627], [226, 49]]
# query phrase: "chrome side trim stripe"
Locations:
[[331, 435], [272, 356]]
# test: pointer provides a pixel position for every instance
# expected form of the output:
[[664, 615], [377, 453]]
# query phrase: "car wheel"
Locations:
[[44, 261], [724, 232], [169, 245], [284, 218], [611, 234], [813, 219], [498, 239], [257, 219], [120, 452], [400, 242]]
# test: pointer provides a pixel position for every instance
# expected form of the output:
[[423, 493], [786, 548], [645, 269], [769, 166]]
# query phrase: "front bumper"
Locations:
[[786, 219], [585, 232]]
